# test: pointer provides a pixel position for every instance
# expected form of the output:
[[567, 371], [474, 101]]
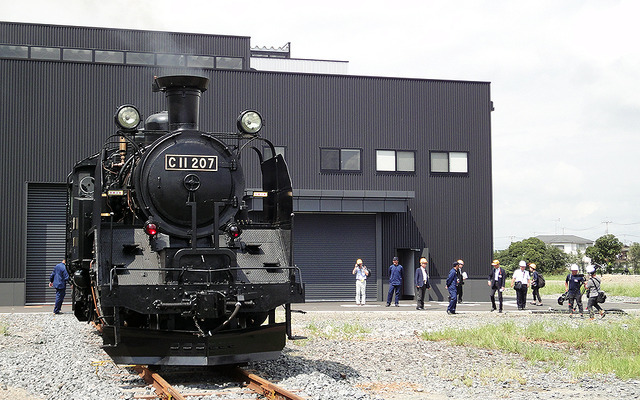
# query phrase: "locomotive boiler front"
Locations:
[[188, 177]]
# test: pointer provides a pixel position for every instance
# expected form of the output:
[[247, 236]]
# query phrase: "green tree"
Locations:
[[634, 256], [605, 251], [533, 250]]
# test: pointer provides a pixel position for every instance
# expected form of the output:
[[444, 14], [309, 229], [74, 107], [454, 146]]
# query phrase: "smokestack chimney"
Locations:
[[183, 99]]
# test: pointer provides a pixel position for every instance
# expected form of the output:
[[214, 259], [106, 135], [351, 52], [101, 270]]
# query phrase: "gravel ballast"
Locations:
[[46, 356]]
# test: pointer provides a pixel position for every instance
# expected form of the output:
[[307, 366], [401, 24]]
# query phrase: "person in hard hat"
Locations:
[[573, 283], [593, 287], [497, 279], [520, 282], [361, 272], [537, 300]]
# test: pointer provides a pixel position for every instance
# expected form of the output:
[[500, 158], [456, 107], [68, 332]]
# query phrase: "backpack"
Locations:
[[541, 281], [602, 296]]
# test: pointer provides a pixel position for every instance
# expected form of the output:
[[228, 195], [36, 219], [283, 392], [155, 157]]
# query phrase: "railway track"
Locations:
[[262, 388]]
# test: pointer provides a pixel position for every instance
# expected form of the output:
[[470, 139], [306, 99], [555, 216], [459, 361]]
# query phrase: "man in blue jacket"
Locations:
[[452, 283], [58, 280], [395, 281]]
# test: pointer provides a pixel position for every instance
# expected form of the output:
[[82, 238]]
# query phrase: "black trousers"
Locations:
[[577, 297], [421, 291], [536, 294], [459, 289], [593, 302], [493, 297], [521, 297]]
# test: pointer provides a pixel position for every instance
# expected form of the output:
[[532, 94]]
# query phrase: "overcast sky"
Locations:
[[565, 82]]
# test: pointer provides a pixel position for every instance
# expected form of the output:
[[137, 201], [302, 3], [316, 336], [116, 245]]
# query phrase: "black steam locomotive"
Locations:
[[167, 253]]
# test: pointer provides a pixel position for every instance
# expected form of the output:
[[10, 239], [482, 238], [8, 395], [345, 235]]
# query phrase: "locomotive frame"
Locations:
[[160, 246]]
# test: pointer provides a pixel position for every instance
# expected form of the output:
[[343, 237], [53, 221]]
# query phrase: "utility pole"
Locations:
[[607, 229]]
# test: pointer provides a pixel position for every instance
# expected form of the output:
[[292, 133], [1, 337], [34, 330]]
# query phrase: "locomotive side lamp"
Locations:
[[127, 117], [150, 228], [233, 231], [250, 122]]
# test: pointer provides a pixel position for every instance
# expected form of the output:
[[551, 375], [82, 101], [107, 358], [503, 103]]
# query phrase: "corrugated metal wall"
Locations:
[[54, 113], [123, 39], [451, 214]]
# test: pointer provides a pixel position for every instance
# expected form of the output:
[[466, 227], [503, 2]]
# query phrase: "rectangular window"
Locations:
[[395, 161], [385, 160], [7, 51], [406, 161], [200, 61], [228, 63], [110, 57], [77, 55], [350, 160], [141, 58], [45, 53], [345, 160], [449, 162], [171, 60]]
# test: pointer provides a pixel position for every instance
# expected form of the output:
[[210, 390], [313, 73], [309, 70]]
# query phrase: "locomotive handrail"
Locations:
[[203, 270], [113, 271]]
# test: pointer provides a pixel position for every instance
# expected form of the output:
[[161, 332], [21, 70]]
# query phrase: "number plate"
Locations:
[[182, 162]]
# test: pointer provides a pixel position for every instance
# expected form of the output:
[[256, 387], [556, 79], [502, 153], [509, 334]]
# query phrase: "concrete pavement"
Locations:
[[405, 305]]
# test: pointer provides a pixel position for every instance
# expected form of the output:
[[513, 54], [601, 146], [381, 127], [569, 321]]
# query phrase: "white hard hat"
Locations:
[[523, 263], [574, 267], [591, 269]]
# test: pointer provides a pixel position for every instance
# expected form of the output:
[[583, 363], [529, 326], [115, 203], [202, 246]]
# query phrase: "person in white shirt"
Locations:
[[361, 272], [520, 282]]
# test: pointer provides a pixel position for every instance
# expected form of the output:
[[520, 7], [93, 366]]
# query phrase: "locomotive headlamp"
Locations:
[[127, 117], [151, 229], [250, 122]]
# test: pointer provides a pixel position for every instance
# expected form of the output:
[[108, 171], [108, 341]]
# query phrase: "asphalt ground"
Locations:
[[405, 305]]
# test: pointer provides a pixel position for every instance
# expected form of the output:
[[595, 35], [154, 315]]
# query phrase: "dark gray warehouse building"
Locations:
[[381, 167]]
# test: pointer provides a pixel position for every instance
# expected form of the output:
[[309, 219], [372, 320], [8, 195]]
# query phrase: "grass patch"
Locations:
[[612, 347], [4, 330], [497, 372], [614, 285], [349, 331]]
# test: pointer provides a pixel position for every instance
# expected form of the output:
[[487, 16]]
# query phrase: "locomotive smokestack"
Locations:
[[183, 98]]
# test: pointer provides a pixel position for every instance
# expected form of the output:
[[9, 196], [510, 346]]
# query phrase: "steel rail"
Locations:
[[266, 388], [260, 386], [163, 389]]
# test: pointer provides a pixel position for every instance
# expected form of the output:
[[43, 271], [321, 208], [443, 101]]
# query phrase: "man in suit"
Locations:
[[496, 282], [422, 283], [452, 283]]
